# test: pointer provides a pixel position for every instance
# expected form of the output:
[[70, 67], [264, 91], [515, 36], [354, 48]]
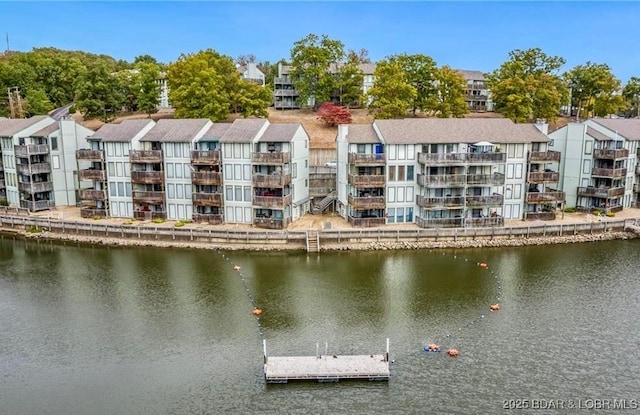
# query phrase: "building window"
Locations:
[[410, 173], [229, 193], [238, 193], [247, 193], [55, 162], [392, 173], [54, 143]]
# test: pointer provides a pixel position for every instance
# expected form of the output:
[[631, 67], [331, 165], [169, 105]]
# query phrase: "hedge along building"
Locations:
[[442, 172]]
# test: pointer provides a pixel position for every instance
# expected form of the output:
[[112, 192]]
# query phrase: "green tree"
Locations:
[[594, 90], [251, 99], [312, 58], [37, 102], [99, 93], [527, 86], [421, 72], [127, 81], [349, 79], [392, 93], [147, 88], [631, 92], [448, 101]]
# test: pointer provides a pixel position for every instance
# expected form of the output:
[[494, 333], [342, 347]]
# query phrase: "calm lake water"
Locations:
[[95, 330]]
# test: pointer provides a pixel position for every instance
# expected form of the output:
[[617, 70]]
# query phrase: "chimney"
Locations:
[[343, 130], [542, 125]]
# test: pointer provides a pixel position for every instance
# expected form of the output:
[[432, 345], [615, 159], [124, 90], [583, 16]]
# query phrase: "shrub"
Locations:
[[4, 202], [96, 217], [157, 220], [34, 229], [333, 114], [570, 210], [179, 224], [610, 214], [596, 212]]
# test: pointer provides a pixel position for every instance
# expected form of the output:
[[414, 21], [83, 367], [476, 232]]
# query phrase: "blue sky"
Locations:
[[465, 35]]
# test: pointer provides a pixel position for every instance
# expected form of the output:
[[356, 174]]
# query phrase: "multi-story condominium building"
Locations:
[[250, 72], [435, 172], [476, 92], [599, 165], [38, 161]]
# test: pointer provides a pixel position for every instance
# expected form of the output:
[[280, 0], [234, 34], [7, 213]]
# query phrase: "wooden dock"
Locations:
[[326, 368]]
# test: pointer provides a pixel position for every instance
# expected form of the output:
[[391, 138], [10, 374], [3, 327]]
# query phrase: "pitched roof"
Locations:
[[44, 132], [217, 130], [11, 127], [243, 130], [125, 131], [597, 134], [280, 132], [472, 75], [175, 130], [629, 128], [457, 130], [362, 133]]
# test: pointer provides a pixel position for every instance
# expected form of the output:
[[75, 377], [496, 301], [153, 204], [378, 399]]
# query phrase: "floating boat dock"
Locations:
[[326, 368]]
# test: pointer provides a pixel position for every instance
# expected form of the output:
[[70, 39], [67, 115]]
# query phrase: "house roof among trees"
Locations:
[[362, 133], [626, 127], [472, 75], [243, 130]]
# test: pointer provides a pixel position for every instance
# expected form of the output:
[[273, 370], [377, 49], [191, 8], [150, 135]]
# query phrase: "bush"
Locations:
[[34, 229], [597, 212], [157, 220], [179, 224], [4, 202], [570, 210], [96, 217], [610, 214], [333, 114]]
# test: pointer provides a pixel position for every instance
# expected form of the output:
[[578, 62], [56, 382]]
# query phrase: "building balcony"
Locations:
[[205, 157], [543, 176], [440, 159], [147, 177], [210, 218], [148, 215], [90, 155], [35, 187], [636, 187], [270, 223], [367, 202], [30, 150], [493, 179], [610, 173], [272, 201], [90, 194], [271, 180], [148, 197], [542, 197], [484, 201], [90, 212], [207, 199], [611, 154], [285, 93], [601, 192], [544, 156], [30, 169], [206, 178], [283, 80], [441, 202], [145, 156], [369, 180], [484, 222], [36, 205], [439, 222], [92, 175], [442, 180], [540, 215], [271, 158], [366, 222], [359, 159]]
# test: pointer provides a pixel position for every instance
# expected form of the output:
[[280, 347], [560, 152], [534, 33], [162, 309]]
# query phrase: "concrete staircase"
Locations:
[[313, 241], [322, 205]]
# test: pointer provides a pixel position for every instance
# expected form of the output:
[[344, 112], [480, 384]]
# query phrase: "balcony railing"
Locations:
[[37, 168], [283, 80], [493, 179], [369, 180], [441, 202], [367, 202], [375, 159], [271, 180], [206, 157], [611, 154], [91, 155], [541, 197], [145, 156], [90, 194], [540, 215], [207, 199], [30, 150], [441, 180], [92, 175], [147, 177], [611, 173], [543, 176], [35, 187], [366, 222], [601, 192], [272, 201], [439, 222], [210, 218], [150, 197], [461, 158], [36, 205], [285, 93], [206, 178], [484, 222], [271, 158], [148, 215], [93, 213], [270, 223], [477, 201], [544, 156]]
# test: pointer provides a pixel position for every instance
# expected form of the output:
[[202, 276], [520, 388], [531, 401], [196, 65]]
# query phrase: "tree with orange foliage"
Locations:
[[333, 114]]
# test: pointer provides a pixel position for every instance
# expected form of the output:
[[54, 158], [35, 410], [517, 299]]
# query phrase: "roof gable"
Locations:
[[11, 127], [628, 128], [176, 130], [243, 130], [125, 131]]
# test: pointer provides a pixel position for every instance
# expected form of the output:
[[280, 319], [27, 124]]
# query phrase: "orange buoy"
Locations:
[[452, 352], [236, 268], [483, 265], [433, 347], [495, 307], [256, 312]]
